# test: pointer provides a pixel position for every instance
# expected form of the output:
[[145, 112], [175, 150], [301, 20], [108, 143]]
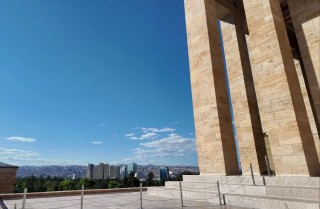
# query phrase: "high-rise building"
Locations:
[[164, 173], [117, 171], [123, 171], [132, 167], [101, 171], [90, 169], [96, 172], [106, 173], [112, 169]]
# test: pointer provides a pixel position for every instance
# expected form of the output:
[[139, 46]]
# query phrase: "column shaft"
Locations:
[[305, 17], [308, 107], [214, 133], [246, 114], [282, 109]]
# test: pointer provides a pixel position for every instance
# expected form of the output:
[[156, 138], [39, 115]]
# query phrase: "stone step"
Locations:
[[222, 179], [189, 194], [309, 193], [312, 193], [304, 181], [268, 202], [243, 200]]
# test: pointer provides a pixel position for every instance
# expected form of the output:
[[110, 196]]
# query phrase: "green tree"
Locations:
[[113, 184], [150, 179], [67, 185]]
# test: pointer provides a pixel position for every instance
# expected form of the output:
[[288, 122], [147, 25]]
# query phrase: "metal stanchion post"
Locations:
[[254, 183], [15, 205], [264, 180], [224, 199], [24, 198], [219, 192], [140, 195], [181, 194], [267, 164], [82, 192]]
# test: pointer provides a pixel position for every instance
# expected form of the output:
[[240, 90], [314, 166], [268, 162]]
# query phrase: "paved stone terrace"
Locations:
[[112, 201]]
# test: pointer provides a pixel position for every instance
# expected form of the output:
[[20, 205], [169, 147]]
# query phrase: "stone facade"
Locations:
[[7, 178], [275, 102]]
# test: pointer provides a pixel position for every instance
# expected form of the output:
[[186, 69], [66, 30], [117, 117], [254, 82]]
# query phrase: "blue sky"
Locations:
[[95, 81]]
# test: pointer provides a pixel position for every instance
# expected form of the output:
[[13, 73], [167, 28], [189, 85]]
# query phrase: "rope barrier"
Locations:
[[237, 177], [193, 188], [205, 199], [238, 187], [161, 200]]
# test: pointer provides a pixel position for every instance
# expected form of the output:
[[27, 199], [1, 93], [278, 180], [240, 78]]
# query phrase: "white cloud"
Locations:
[[21, 139], [24, 157], [128, 135], [170, 146], [167, 130], [96, 142], [134, 138], [102, 124], [149, 136], [4, 152], [156, 130]]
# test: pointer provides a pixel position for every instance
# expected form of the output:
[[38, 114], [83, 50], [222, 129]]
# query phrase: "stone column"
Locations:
[[308, 107], [282, 109], [214, 133], [246, 113], [305, 17]]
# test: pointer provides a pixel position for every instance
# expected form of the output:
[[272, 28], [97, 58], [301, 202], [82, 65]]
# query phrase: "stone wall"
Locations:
[[7, 179]]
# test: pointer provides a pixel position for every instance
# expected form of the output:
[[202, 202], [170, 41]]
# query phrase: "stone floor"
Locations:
[[112, 201]]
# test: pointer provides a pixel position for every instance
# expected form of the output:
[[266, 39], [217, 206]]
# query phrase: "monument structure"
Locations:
[[255, 63]]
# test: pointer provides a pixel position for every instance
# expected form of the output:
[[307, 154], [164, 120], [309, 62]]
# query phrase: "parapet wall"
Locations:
[[14, 196]]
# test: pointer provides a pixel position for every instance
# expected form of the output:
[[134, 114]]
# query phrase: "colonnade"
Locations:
[[264, 56]]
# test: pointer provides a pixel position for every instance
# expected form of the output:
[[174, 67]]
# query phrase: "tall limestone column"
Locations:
[[214, 133], [282, 109], [246, 113], [308, 107], [305, 17]]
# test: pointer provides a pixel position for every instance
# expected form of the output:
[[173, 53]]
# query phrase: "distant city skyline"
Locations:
[[88, 82]]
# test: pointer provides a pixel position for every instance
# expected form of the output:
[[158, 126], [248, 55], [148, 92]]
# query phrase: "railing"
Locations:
[[212, 190]]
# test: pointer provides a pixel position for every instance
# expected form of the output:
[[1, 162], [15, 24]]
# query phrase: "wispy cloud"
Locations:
[[174, 145], [102, 124], [25, 157], [134, 138], [149, 136], [4, 152], [96, 142], [156, 130], [149, 133], [21, 139]]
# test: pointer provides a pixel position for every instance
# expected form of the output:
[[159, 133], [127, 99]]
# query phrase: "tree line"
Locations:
[[47, 184]]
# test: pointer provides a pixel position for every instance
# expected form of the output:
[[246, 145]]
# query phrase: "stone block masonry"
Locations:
[[268, 97]]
